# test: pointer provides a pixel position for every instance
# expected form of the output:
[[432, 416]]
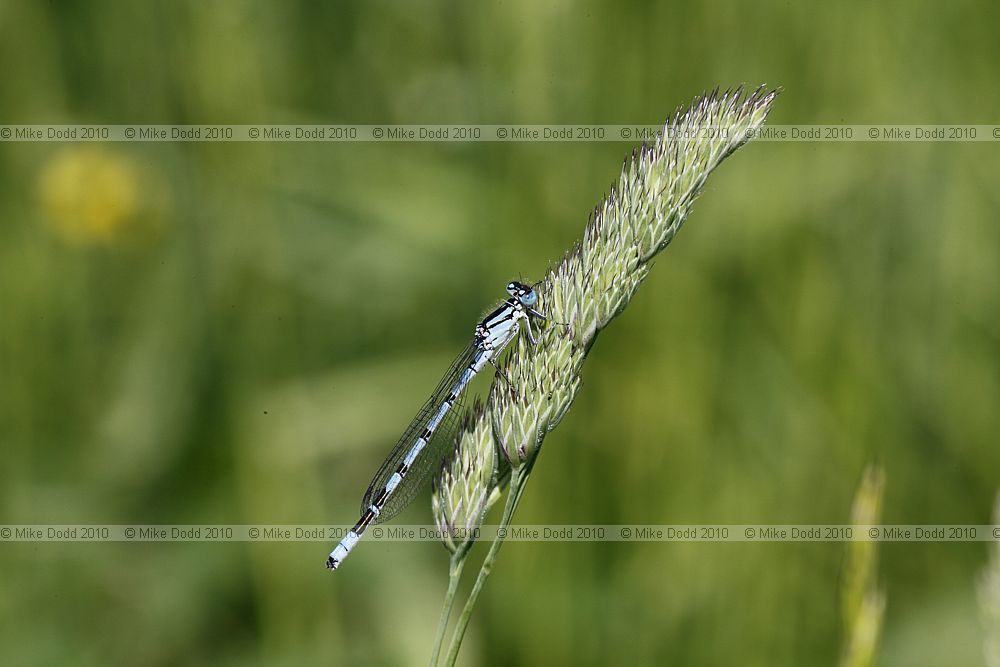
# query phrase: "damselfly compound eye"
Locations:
[[529, 297]]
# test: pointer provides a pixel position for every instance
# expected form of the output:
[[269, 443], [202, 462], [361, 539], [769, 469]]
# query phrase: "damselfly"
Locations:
[[422, 446]]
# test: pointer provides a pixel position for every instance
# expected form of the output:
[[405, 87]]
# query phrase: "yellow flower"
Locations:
[[89, 193]]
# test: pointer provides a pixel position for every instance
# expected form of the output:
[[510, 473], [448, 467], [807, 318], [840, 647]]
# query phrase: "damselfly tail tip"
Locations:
[[332, 563]]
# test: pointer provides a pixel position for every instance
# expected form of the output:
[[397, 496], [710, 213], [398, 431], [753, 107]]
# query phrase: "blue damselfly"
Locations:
[[423, 445]]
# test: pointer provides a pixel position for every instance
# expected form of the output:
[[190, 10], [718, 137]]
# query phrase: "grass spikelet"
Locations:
[[862, 599]]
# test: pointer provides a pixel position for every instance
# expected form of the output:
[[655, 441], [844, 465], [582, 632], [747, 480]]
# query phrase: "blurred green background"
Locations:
[[237, 333]]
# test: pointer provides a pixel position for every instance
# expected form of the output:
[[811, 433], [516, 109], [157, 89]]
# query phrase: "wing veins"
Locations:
[[428, 459]]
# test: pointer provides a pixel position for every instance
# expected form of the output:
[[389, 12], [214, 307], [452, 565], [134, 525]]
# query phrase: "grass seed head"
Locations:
[[594, 282]]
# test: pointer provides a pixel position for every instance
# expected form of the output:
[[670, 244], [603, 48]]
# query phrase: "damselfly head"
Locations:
[[526, 295]]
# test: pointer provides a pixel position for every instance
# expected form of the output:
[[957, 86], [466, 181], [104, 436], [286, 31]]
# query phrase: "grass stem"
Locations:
[[454, 576], [518, 478]]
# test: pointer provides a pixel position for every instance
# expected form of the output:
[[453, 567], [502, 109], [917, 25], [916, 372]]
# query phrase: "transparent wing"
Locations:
[[430, 458], [426, 465]]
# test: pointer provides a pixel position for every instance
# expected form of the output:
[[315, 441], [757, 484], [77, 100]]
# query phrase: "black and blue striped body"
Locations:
[[420, 450]]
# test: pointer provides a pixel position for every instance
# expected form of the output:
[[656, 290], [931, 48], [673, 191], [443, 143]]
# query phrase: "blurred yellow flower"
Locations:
[[90, 194]]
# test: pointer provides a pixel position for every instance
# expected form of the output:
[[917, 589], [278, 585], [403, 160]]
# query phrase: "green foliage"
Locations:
[[237, 333]]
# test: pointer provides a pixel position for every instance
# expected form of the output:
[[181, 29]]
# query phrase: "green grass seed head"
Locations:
[[579, 296], [466, 487], [595, 281]]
